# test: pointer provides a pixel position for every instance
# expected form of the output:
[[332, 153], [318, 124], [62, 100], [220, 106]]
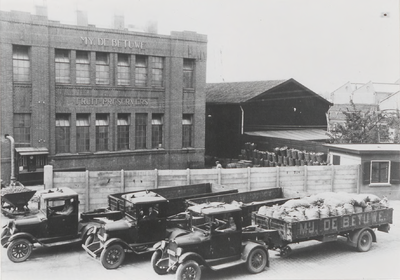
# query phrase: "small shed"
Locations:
[[269, 113], [379, 166]]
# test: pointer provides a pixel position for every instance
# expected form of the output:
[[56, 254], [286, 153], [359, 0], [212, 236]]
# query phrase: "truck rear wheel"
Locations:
[[160, 270], [188, 270], [112, 257], [256, 261], [364, 241], [19, 250]]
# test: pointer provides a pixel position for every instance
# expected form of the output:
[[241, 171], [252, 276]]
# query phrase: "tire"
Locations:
[[286, 251], [112, 257], [188, 270], [257, 261], [364, 241], [160, 270], [19, 250]]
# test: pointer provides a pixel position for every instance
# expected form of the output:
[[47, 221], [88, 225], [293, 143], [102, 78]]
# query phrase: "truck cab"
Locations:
[[144, 223], [55, 223], [217, 242]]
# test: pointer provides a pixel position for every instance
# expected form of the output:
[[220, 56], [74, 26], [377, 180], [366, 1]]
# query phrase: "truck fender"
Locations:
[[250, 246], [191, 256], [119, 241], [353, 236], [88, 229], [175, 232], [22, 235]]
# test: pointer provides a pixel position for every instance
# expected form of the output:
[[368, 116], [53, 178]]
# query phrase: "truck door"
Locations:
[[227, 243], [151, 226], [61, 222]]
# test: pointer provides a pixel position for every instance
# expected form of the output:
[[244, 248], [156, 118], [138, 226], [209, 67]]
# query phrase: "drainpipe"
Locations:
[[12, 178], [242, 124]]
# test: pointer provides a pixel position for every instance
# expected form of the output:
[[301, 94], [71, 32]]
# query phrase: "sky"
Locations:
[[320, 43]]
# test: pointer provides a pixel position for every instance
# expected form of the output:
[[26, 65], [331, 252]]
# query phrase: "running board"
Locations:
[[76, 240], [225, 265]]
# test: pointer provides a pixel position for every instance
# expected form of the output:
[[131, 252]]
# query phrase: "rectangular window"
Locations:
[[380, 171], [187, 131], [102, 127], [21, 64], [82, 133], [82, 67], [141, 70], [157, 131], [123, 122], [22, 128], [157, 71], [188, 71], [123, 67], [62, 133], [102, 69], [140, 131], [62, 62]]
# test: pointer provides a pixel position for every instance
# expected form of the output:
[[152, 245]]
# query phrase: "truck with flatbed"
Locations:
[[248, 201], [148, 218], [358, 227], [219, 241]]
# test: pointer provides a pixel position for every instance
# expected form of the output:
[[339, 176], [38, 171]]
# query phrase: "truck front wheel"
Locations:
[[256, 261], [160, 270], [188, 270], [19, 250], [364, 241], [112, 257]]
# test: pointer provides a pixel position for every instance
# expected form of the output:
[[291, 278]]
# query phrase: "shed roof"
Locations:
[[296, 134], [366, 148], [238, 92]]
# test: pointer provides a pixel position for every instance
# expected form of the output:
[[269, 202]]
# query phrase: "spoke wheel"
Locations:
[[189, 270], [256, 261], [113, 256], [19, 250], [160, 270], [364, 242]]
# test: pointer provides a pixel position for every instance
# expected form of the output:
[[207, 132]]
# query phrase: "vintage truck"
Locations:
[[138, 231], [55, 222], [206, 244], [358, 228], [249, 201]]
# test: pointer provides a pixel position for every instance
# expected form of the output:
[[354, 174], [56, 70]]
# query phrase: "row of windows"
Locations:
[[63, 58], [124, 131]]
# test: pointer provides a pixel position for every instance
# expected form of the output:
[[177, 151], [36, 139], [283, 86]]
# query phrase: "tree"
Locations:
[[360, 127]]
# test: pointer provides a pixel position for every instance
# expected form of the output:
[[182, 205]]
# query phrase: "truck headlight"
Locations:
[[178, 251]]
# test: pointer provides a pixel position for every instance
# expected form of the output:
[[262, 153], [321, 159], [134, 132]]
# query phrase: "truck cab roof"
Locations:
[[144, 197], [57, 193], [214, 208]]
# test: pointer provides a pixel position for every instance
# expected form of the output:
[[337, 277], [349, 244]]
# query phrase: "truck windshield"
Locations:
[[201, 222]]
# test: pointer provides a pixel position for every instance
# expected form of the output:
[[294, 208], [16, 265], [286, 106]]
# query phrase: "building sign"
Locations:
[[121, 43], [91, 101]]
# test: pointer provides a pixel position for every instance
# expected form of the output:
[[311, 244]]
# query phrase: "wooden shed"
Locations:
[[379, 166], [238, 112]]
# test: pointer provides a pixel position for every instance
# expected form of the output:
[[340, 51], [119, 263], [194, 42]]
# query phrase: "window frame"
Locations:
[[188, 73], [141, 131], [123, 136], [62, 66], [83, 120], [372, 174], [141, 72], [157, 127], [186, 117], [102, 124], [82, 66], [123, 70], [157, 71], [102, 68], [23, 137], [21, 62], [63, 120]]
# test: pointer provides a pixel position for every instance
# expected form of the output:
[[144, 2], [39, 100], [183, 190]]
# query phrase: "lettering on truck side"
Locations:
[[354, 220]]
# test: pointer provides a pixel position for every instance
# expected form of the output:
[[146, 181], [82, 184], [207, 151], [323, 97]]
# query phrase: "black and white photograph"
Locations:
[[200, 139]]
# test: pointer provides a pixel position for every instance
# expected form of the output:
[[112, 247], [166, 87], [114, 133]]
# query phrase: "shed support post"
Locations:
[[188, 176], [305, 178], [156, 178], [48, 177], [278, 183], [248, 178], [332, 177]]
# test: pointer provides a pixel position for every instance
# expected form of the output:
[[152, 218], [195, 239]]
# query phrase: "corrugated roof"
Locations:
[[366, 147], [237, 92], [296, 134]]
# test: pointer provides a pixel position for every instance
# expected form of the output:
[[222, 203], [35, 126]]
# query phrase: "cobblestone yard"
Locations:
[[309, 260]]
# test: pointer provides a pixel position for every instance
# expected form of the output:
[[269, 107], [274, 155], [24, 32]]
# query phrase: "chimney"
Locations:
[[81, 18], [41, 11], [119, 22], [151, 26]]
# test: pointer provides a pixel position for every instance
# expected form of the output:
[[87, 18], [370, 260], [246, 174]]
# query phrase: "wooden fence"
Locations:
[[94, 186]]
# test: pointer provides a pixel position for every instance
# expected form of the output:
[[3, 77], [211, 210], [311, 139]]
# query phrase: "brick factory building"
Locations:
[[102, 99]]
